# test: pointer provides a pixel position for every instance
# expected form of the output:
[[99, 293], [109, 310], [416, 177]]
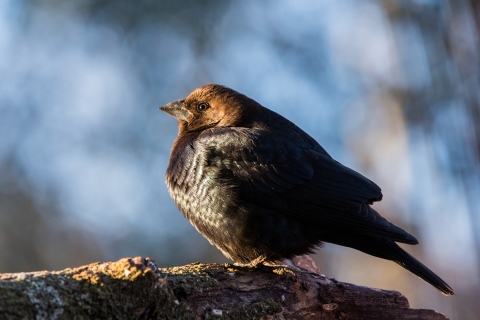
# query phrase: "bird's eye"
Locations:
[[202, 106]]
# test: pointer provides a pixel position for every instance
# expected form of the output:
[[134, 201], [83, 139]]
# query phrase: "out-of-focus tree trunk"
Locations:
[[137, 289], [451, 33]]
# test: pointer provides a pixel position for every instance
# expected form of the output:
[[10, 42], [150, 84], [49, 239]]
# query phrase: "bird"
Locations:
[[261, 189]]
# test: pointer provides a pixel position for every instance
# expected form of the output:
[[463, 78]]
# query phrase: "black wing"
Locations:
[[292, 174]]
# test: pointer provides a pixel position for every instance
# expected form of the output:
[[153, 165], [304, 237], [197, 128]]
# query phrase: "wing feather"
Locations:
[[298, 179]]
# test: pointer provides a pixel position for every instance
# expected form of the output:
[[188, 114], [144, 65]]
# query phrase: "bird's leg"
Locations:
[[260, 260], [297, 263], [283, 263], [254, 263]]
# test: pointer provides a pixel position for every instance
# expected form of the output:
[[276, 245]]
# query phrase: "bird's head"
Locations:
[[211, 106]]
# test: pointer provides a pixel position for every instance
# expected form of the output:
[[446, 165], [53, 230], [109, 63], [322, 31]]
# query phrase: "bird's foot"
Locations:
[[254, 263], [297, 263]]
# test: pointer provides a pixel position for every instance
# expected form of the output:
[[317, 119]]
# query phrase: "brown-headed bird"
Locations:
[[261, 189]]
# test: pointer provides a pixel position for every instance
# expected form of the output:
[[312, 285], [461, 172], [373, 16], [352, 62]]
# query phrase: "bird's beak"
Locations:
[[176, 109]]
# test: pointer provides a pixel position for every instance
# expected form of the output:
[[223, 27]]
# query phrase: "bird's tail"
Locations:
[[387, 249], [401, 257]]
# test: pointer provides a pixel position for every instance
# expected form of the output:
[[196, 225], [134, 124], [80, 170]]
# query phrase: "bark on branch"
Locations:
[[134, 288]]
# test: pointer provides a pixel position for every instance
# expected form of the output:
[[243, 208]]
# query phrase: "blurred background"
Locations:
[[388, 87]]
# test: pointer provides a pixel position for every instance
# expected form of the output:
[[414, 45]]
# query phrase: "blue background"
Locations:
[[389, 88]]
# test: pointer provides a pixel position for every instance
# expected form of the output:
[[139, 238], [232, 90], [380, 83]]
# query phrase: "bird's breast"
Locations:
[[197, 189]]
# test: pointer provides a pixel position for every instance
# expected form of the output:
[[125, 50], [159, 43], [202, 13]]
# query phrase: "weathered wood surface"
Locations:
[[134, 288]]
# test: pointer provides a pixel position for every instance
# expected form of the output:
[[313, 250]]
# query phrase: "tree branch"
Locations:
[[134, 288]]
